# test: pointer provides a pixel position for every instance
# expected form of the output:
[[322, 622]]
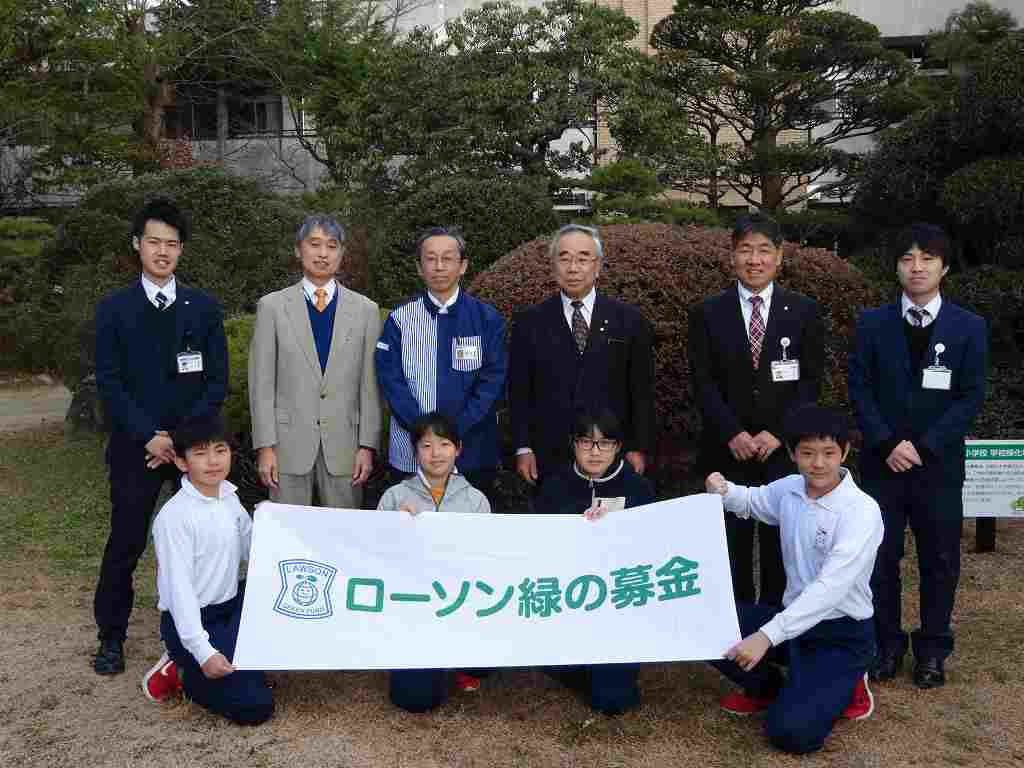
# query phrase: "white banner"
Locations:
[[345, 589]]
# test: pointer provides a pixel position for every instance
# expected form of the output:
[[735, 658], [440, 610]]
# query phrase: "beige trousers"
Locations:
[[331, 490]]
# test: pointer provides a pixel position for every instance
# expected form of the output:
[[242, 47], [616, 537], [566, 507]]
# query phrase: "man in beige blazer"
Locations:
[[316, 411]]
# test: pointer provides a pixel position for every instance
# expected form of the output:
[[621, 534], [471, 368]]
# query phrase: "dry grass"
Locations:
[[55, 712]]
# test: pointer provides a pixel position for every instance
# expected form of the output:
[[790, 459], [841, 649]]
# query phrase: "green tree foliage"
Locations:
[[960, 164], [762, 67], [494, 91], [970, 32]]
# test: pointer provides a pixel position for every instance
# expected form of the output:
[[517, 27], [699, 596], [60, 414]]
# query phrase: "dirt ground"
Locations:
[[27, 405], [54, 711]]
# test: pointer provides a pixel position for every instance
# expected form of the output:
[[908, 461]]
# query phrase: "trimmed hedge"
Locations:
[[663, 270], [495, 214], [22, 240], [241, 248]]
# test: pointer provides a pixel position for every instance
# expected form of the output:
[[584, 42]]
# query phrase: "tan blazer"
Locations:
[[296, 408]]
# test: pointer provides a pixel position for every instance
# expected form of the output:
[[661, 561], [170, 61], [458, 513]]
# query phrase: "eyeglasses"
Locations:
[[580, 261], [603, 445]]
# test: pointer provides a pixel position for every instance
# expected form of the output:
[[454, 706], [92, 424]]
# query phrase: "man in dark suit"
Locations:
[[161, 359], [755, 351], [578, 350], [917, 380]]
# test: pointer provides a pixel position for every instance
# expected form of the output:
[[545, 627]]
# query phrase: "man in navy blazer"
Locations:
[[917, 380], [161, 359], [578, 350], [748, 369]]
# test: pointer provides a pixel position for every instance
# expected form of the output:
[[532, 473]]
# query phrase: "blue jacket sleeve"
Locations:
[[860, 384], [970, 393], [717, 414], [490, 382], [215, 364], [122, 408], [520, 384], [391, 376]]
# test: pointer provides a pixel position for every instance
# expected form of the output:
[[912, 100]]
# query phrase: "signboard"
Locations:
[[994, 486]]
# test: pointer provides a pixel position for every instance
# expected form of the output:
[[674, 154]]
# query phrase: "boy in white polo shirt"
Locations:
[[201, 536], [830, 532]]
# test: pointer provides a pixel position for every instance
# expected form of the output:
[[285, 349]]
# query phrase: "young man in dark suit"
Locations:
[[755, 351], [161, 359], [917, 380], [578, 350]]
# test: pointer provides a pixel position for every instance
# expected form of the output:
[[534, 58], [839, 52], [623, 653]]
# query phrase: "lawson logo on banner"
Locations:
[[347, 589], [305, 589]]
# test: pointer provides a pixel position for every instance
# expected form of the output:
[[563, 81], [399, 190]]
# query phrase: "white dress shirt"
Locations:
[[199, 544], [828, 549], [442, 307], [309, 288], [587, 309], [932, 308], [748, 309], [152, 289]]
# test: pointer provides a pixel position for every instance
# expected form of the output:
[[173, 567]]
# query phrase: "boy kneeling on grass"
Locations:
[[201, 535], [830, 531]]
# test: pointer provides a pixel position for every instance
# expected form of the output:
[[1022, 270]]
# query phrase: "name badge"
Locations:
[[469, 352], [936, 375], [785, 369], [611, 503], [190, 362]]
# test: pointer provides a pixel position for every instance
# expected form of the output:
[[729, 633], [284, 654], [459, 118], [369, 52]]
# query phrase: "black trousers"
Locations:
[[739, 534], [933, 507], [134, 490]]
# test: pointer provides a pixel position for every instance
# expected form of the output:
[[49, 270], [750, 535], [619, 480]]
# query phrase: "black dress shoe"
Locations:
[[886, 667], [110, 657], [929, 673]]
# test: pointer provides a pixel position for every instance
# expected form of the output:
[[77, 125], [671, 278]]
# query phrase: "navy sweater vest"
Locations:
[[322, 324]]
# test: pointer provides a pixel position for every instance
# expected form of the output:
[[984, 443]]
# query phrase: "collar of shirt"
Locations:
[[226, 489], [442, 309], [309, 288], [152, 289], [932, 308], [766, 296], [587, 309], [834, 499]]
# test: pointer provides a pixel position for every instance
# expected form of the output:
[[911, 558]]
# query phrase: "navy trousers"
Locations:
[[134, 490], [934, 509], [608, 688], [825, 663], [242, 697]]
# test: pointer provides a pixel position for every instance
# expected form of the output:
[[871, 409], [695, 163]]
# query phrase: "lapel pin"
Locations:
[[786, 308]]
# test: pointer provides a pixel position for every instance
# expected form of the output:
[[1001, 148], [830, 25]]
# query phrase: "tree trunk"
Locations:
[[222, 124], [771, 181]]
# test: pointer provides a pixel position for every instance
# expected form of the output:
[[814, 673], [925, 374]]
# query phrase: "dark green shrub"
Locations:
[[987, 198], [997, 295], [23, 343], [663, 270], [630, 209], [241, 248], [495, 214]]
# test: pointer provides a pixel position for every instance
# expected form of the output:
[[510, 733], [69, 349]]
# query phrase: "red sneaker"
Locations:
[[464, 682], [862, 704], [739, 703], [161, 682]]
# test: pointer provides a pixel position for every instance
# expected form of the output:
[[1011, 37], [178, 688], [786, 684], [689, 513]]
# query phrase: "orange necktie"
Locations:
[[321, 299]]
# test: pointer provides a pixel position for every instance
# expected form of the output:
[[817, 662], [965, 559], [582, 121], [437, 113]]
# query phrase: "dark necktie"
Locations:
[[918, 316], [161, 300], [756, 330], [580, 329]]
